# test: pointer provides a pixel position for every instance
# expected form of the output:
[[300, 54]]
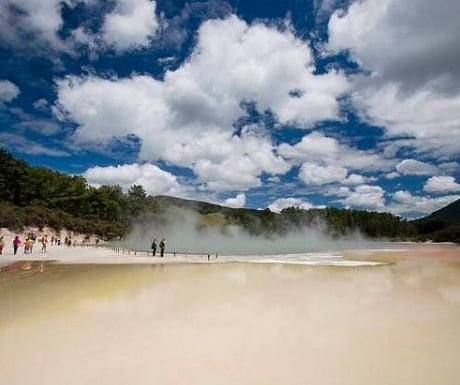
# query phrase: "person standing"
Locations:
[[154, 247], [2, 245], [44, 243], [26, 246], [162, 247], [16, 243]]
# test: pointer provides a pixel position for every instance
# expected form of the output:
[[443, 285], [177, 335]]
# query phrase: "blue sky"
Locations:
[[245, 103]]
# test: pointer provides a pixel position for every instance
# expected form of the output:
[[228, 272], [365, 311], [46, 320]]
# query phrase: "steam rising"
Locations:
[[188, 232]]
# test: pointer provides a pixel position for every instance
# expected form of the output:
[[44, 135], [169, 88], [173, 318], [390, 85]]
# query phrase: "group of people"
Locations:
[[161, 245], [28, 244], [58, 242]]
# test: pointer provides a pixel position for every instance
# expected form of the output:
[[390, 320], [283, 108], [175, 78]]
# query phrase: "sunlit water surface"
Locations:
[[234, 323]]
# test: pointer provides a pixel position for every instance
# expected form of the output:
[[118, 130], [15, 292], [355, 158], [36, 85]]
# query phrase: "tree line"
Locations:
[[37, 196]]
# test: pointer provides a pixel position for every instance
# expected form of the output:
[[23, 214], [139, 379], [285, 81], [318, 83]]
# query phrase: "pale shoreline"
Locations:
[[103, 255], [346, 258]]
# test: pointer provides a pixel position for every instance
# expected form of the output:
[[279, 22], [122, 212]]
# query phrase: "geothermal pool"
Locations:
[[268, 322]]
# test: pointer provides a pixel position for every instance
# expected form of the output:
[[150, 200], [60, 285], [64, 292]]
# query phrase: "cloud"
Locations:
[[324, 8], [449, 167], [43, 126], [405, 203], [364, 196], [154, 180], [392, 175], [29, 122], [423, 119], [8, 91], [325, 160], [41, 105], [411, 52], [24, 145], [238, 201], [132, 24], [441, 184], [421, 50], [177, 31], [282, 203], [22, 19], [415, 167], [354, 179], [313, 174], [187, 118], [320, 149], [232, 163], [36, 25]]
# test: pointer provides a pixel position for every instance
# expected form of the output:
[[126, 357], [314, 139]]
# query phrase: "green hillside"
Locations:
[[338, 222], [37, 196], [442, 225], [449, 214]]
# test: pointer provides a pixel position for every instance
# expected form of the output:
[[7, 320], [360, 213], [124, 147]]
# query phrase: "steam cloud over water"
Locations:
[[185, 233]]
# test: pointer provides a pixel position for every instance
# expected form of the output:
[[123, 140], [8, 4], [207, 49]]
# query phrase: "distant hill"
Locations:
[[338, 222], [449, 214], [442, 225], [199, 206]]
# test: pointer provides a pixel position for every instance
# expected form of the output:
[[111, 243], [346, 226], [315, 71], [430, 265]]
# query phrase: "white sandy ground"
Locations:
[[103, 255], [227, 324], [82, 254]]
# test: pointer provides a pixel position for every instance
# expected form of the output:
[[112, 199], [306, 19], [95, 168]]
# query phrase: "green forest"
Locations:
[[37, 196]]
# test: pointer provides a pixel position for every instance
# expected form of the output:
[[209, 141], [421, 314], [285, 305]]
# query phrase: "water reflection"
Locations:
[[157, 268], [22, 267]]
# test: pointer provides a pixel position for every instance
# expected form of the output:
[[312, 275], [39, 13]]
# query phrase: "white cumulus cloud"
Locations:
[[354, 179], [392, 175], [320, 149], [313, 174], [364, 196], [41, 18], [35, 25], [405, 203], [238, 201], [187, 118], [415, 167], [154, 180], [411, 50], [390, 37], [441, 184], [429, 120], [132, 24]]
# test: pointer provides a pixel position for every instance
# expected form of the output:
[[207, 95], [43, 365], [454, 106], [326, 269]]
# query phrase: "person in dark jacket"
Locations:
[[162, 247], [154, 247]]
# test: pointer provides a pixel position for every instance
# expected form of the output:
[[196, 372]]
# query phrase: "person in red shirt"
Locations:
[[16, 243]]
